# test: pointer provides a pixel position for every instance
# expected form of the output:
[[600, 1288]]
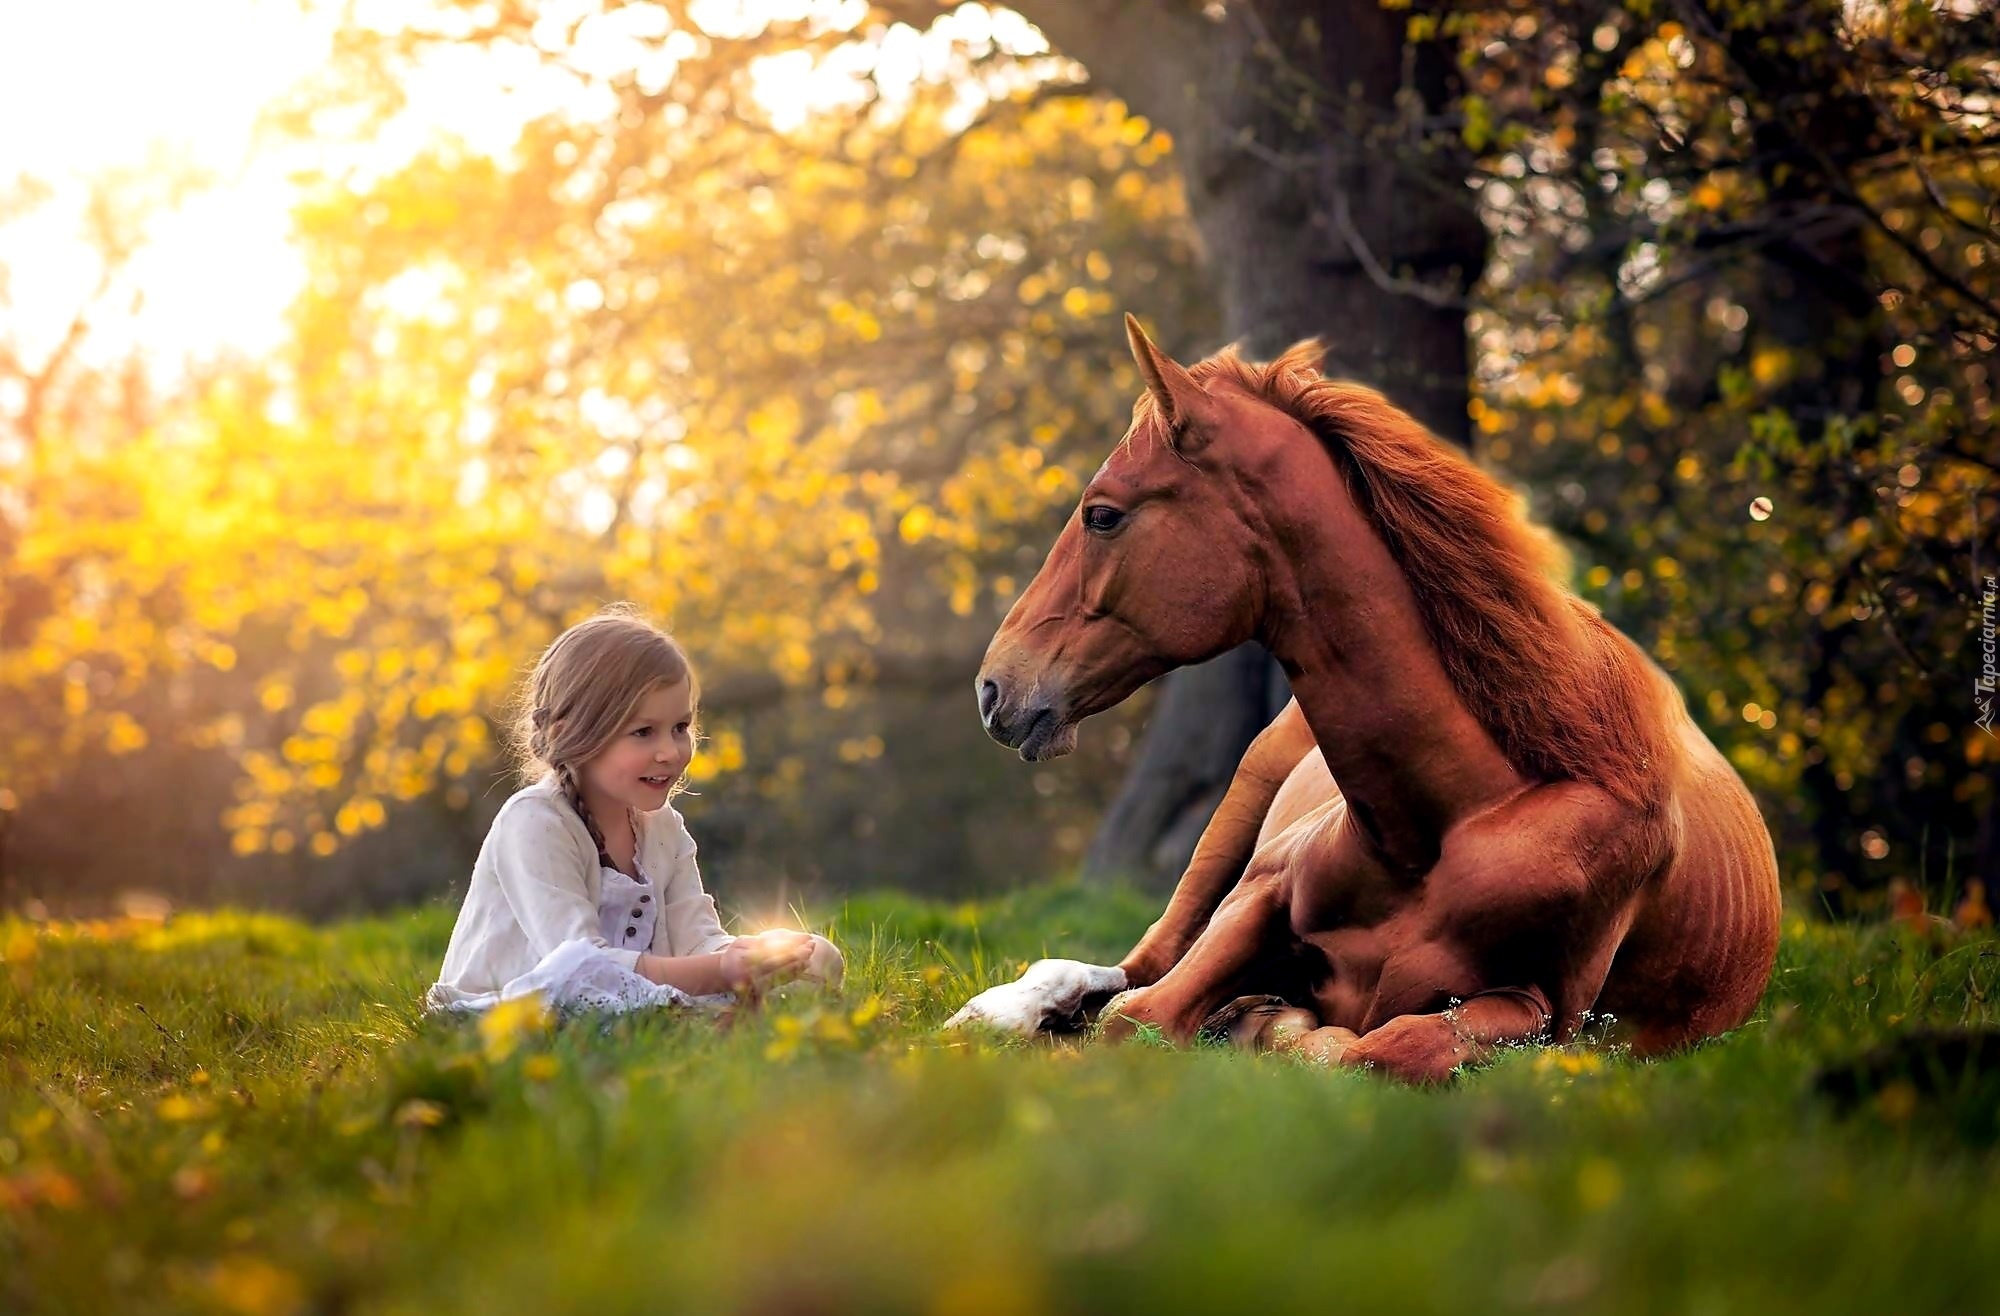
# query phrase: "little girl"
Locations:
[[586, 889]]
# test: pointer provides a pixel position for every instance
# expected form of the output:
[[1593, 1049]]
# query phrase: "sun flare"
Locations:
[[168, 104]]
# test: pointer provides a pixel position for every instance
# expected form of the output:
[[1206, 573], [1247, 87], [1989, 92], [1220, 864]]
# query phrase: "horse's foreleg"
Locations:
[[1252, 925], [1060, 994], [1224, 849], [1427, 1048]]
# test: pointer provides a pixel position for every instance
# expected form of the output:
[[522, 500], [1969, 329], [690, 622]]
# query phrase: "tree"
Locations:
[[798, 385], [1740, 328], [817, 376]]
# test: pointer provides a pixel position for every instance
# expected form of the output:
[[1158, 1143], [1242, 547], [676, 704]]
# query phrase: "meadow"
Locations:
[[238, 1113]]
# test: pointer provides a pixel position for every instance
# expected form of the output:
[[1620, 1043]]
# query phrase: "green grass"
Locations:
[[237, 1113]]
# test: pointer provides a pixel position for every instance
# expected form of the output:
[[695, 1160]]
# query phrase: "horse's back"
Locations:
[[1703, 941]]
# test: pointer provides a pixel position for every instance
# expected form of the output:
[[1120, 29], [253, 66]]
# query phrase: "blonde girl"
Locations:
[[586, 889]]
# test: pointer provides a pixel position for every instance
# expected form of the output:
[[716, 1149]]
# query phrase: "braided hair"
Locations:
[[572, 790]]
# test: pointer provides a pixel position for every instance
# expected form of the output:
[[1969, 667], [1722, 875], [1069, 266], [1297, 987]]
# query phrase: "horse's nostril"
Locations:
[[989, 699]]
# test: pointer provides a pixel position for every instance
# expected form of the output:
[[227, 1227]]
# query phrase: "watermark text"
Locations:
[[1984, 683]]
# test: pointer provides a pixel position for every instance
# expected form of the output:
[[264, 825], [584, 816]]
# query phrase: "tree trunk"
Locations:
[[1323, 212]]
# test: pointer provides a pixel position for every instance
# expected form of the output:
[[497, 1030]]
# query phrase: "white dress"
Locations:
[[543, 916]]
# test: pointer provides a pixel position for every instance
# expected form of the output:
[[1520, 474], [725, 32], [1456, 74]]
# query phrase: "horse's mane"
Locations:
[[1563, 694]]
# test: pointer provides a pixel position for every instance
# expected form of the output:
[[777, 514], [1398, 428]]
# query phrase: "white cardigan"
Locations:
[[537, 885]]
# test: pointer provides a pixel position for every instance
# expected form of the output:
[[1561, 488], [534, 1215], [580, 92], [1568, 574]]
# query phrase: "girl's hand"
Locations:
[[765, 959]]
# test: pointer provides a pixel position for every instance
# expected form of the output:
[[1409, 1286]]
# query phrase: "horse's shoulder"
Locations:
[[1568, 840]]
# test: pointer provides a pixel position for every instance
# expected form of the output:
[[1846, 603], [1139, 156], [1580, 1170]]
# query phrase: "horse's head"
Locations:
[[1158, 567]]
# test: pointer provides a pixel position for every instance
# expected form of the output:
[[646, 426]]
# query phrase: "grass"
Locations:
[[238, 1113]]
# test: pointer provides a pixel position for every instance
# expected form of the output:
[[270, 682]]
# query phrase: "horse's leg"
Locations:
[[1427, 1048], [1545, 880], [1224, 848], [1056, 994], [1252, 924]]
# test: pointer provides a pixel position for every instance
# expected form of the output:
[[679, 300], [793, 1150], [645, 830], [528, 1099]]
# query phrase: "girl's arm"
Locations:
[[718, 962], [688, 916], [756, 961], [697, 975]]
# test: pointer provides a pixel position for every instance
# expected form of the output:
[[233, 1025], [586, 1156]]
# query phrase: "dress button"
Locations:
[[645, 900], [631, 932], [638, 913]]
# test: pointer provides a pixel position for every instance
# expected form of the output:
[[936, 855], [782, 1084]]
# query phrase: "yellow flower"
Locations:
[[416, 1113], [504, 1027], [181, 1108], [541, 1068], [789, 1033], [20, 945], [254, 1287], [1569, 1062]]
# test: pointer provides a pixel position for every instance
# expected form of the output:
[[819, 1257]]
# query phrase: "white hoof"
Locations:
[[1050, 993]]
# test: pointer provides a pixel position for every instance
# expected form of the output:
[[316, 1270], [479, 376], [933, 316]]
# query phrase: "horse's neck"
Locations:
[[1397, 736]]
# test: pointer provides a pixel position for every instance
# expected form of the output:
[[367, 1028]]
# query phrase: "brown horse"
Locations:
[[1527, 829]]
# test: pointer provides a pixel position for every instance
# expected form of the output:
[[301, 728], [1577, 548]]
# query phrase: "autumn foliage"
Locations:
[[813, 378]]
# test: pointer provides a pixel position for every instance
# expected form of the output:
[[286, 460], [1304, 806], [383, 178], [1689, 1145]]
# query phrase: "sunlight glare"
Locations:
[[88, 87], [159, 92]]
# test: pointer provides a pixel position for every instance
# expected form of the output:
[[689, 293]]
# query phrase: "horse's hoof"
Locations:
[[1127, 1017], [1051, 996]]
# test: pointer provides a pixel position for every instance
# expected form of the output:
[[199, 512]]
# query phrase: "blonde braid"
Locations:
[[573, 792]]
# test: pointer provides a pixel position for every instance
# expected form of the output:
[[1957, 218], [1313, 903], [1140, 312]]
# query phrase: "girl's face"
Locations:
[[639, 767]]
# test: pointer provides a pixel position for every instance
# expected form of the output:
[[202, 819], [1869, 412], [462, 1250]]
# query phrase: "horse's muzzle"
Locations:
[[1035, 728]]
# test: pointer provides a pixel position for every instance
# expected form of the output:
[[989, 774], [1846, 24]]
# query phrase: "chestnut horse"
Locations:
[[1527, 828]]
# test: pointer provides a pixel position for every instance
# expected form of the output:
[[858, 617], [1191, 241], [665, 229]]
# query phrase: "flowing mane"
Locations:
[[1563, 694]]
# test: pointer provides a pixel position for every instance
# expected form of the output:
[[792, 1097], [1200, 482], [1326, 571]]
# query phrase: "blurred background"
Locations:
[[348, 351]]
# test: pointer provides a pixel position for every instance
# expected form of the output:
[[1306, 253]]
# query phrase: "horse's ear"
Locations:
[[1181, 399], [1304, 357]]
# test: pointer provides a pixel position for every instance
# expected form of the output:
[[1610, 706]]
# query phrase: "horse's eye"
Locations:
[[1101, 519]]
